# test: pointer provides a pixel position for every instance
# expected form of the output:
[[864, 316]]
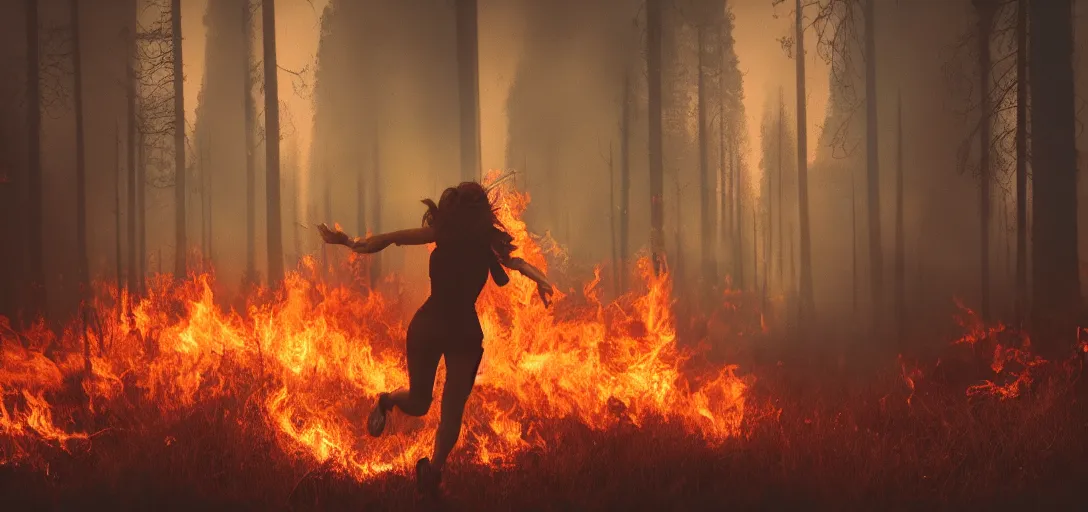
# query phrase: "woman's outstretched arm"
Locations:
[[376, 243], [544, 288]]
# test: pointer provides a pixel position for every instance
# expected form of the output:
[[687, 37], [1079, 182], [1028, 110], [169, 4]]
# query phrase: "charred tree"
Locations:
[[706, 227], [141, 209], [130, 143], [250, 116], [360, 201], [1021, 161], [272, 145], [900, 250], [724, 219], [617, 269], [81, 187], [1056, 297], [205, 233], [468, 82], [35, 217], [181, 243], [807, 305], [872, 165], [780, 171], [854, 243], [117, 205], [657, 184], [986, 10], [376, 212], [81, 162], [738, 217], [625, 180]]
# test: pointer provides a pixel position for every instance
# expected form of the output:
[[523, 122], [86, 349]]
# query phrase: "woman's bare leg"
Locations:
[[460, 377]]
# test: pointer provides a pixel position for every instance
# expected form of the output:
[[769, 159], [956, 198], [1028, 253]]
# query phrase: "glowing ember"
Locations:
[[1012, 366], [315, 354]]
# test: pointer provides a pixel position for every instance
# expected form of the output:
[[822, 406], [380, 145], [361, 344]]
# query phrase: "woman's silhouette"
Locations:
[[471, 243]]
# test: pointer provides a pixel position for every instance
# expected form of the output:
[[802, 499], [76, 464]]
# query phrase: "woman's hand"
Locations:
[[545, 291], [370, 245], [331, 236]]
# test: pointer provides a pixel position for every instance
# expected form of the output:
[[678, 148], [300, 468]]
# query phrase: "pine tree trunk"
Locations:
[[205, 235], [807, 306], [1056, 281], [81, 187], [755, 247], [130, 151], [724, 219], [900, 250], [141, 209], [854, 242], [676, 264], [251, 173], [876, 255], [81, 163], [779, 252], [1021, 162], [208, 186], [272, 145], [181, 242], [985, 22], [360, 200], [376, 213], [117, 206], [35, 217], [657, 184], [617, 269], [625, 180], [295, 178], [469, 88], [706, 226], [738, 217]]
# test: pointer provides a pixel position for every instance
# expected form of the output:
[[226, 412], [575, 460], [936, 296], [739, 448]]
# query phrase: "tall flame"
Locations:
[[316, 354]]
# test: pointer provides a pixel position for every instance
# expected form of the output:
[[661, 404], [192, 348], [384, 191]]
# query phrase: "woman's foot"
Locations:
[[428, 479], [375, 424]]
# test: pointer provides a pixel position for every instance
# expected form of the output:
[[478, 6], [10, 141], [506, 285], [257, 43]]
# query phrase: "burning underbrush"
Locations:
[[311, 356], [262, 403]]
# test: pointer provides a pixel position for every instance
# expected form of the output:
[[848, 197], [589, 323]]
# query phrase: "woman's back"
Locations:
[[458, 271]]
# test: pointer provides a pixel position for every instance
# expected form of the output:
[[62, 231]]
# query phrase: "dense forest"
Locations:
[[849, 176], [578, 134]]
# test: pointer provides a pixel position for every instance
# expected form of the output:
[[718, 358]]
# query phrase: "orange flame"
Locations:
[[317, 354]]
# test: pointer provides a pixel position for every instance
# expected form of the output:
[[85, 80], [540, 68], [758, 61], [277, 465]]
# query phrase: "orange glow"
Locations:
[[315, 353]]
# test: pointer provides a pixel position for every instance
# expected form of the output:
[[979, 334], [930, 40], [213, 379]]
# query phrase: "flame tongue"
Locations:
[[322, 352]]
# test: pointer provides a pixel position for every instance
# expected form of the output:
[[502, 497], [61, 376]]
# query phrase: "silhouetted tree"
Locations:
[[180, 239], [468, 83], [985, 10], [1021, 160], [900, 249], [625, 179], [807, 305], [657, 170], [706, 226], [1056, 298], [35, 221], [131, 116], [872, 162], [376, 213], [81, 162], [250, 116], [272, 145]]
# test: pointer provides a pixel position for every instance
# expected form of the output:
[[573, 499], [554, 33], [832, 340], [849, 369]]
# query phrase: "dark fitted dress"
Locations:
[[447, 324]]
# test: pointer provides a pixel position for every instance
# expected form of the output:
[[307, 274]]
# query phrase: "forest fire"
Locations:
[[315, 355]]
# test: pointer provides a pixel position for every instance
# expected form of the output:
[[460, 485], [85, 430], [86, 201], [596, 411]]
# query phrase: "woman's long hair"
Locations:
[[465, 212]]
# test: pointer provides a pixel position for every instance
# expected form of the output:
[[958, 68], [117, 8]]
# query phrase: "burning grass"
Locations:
[[593, 403]]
